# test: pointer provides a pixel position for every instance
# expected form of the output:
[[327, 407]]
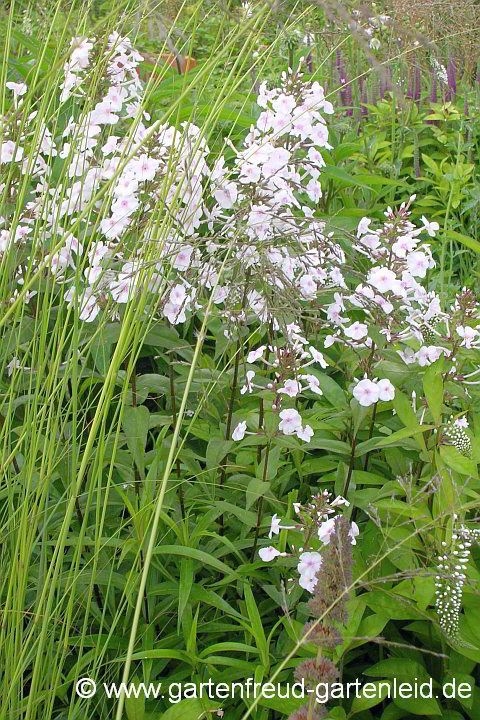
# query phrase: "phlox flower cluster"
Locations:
[[393, 302], [288, 364], [317, 522], [277, 171], [263, 206]]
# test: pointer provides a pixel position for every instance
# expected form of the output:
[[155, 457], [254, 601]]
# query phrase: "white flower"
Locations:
[[256, 354], [239, 432], [325, 530], [318, 357], [386, 390], [366, 392], [363, 226], [291, 388], [340, 500], [304, 433], [382, 279], [468, 334], [182, 258], [6, 152], [17, 88], [275, 527], [14, 363], [461, 422], [307, 582], [417, 263], [354, 533], [430, 227], [248, 387], [291, 421], [375, 44], [310, 563], [308, 286], [356, 331], [270, 553], [313, 383]]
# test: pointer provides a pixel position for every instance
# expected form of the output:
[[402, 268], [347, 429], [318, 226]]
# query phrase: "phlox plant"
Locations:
[[290, 363]]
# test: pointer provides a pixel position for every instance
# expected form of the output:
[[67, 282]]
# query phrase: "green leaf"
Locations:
[[380, 180], [431, 164], [370, 627], [337, 173], [419, 706], [401, 508], [255, 489], [457, 462], [393, 606], [217, 450], [405, 412], [184, 588], [195, 554], [135, 424], [393, 439], [397, 667], [375, 692], [257, 625], [433, 388], [465, 239], [335, 446], [191, 709]]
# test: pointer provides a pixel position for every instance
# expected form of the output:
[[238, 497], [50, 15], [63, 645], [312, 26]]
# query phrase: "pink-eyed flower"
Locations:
[[318, 357], [366, 392], [17, 88], [357, 331], [468, 334], [418, 264], [386, 390], [270, 553], [254, 355], [290, 421], [325, 530], [239, 432], [382, 279], [291, 388], [304, 433], [310, 563]]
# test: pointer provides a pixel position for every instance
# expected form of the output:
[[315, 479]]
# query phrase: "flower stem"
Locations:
[[228, 431], [260, 505]]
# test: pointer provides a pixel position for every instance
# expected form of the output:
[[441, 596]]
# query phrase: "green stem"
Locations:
[[228, 431], [370, 433], [181, 498], [350, 468], [260, 505], [138, 479]]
